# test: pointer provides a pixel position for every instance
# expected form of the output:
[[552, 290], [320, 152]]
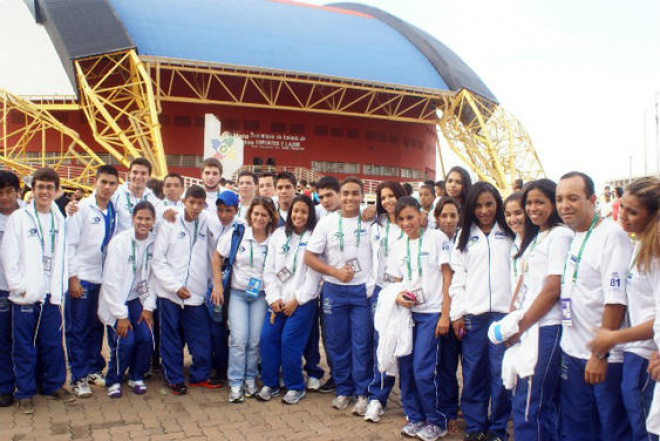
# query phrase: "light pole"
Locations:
[[657, 131]]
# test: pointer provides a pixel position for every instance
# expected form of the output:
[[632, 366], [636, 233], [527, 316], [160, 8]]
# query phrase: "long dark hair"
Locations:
[[468, 218], [548, 188], [311, 216], [466, 182], [395, 187]]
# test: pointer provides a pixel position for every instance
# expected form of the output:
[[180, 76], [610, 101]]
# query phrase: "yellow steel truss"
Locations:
[[118, 100], [226, 85], [74, 160], [489, 140]]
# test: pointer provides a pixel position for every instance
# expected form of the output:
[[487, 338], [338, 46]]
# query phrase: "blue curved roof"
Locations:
[[283, 35]]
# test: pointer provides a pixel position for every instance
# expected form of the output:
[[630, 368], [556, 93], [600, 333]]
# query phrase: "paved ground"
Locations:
[[202, 414]]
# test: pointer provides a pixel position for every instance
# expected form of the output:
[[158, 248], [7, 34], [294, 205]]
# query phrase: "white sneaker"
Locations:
[[96, 378], [341, 402], [114, 391], [236, 394], [137, 386], [251, 388], [293, 396], [313, 384], [81, 388], [374, 411], [360, 406]]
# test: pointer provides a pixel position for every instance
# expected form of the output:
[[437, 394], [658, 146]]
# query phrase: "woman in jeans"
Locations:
[[247, 307]]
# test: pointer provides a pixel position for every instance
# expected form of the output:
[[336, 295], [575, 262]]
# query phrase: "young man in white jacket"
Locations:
[[9, 189], [34, 259], [182, 269], [132, 192], [89, 233], [127, 301]]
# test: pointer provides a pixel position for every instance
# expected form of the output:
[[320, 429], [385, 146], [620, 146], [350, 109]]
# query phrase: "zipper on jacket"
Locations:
[[490, 287]]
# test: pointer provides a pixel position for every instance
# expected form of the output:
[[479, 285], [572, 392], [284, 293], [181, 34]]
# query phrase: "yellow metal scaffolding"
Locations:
[[121, 96]]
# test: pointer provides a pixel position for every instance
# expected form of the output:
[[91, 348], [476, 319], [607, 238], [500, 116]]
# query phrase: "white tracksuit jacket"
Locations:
[[22, 257], [481, 281], [180, 260], [118, 278], [278, 257], [85, 233]]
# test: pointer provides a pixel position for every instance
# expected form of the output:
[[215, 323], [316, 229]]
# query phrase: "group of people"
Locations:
[[549, 306]]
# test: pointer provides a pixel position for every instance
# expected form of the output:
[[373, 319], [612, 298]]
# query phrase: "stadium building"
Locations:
[[344, 89]]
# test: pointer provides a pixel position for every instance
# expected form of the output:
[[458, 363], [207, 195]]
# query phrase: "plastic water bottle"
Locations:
[[217, 313]]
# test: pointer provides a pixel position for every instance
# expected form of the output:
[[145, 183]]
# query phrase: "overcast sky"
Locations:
[[578, 74]]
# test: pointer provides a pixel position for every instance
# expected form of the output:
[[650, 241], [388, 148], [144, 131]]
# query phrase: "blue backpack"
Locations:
[[227, 267]]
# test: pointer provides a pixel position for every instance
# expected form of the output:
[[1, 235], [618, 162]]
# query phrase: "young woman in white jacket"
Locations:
[[480, 295], [447, 214], [536, 287], [420, 263], [127, 301], [292, 306], [639, 211], [384, 234], [247, 302]]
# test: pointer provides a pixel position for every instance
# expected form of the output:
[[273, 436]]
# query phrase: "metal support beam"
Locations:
[[31, 143], [118, 99]]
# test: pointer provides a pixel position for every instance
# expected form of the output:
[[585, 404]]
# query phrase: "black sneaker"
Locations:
[[492, 436], [216, 381], [62, 395], [178, 389], [475, 436], [328, 387], [6, 400]]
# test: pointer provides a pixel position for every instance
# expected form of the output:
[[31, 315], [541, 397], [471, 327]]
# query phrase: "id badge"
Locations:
[[141, 288], [388, 278], [47, 263], [419, 296], [566, 313], [253, 288], [521, 297], [284, 274], [355, 264]]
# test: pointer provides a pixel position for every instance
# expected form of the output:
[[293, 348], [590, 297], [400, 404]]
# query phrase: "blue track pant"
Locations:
[[637, 393], [6, 365], [312, 354], [417, 373], [84, 332], [536, 399], [447, 379], [180, 326], [381, 385], [349, 337], [482, 378], [132, 352], [220, 348], [590, 412], [282, 344], [38, 351]]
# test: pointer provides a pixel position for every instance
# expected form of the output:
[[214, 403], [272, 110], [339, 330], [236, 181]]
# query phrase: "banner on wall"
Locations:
[[225, 146]]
